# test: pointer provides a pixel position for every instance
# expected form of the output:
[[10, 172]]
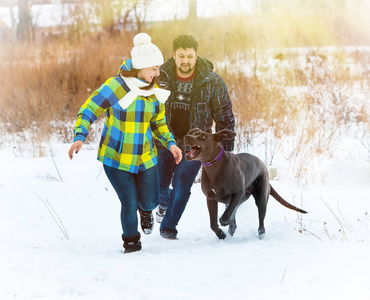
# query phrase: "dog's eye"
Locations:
[[203, 136]]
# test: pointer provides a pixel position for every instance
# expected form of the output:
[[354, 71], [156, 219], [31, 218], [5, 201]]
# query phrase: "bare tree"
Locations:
[[134, 13], [80, 12], [107, 15], [192, 10], [12, 20], [25, 28]]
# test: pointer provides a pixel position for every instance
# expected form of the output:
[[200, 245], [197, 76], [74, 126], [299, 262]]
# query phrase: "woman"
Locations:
[[134, 108]]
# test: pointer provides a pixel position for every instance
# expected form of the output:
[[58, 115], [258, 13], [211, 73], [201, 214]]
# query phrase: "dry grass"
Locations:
[[45, 84], [300, 103]]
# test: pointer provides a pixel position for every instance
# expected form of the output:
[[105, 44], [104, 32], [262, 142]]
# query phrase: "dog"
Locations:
[[230, 179]]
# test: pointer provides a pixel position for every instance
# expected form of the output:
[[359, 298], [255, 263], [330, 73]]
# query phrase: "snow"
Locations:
[[60, 238]]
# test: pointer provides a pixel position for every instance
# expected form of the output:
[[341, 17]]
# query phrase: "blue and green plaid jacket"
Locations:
[[127, 137]]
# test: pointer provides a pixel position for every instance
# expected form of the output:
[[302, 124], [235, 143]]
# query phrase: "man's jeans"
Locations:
[[134, 190], [175, 199]]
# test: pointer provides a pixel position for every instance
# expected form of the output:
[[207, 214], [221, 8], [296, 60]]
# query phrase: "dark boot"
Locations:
[[146, 221], [168, 234], [131, 243]]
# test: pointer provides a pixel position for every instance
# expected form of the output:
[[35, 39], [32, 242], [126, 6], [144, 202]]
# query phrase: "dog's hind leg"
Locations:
[[261, 198], [232, 223]]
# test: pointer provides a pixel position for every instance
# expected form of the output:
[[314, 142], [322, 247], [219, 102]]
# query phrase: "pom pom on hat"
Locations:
[[142, 38], [144, 54]]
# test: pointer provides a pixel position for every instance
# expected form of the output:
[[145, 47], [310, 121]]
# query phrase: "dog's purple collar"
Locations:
[[217, 159]]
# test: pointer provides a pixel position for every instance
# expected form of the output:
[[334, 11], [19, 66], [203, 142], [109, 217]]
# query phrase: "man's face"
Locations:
[[185, 60]]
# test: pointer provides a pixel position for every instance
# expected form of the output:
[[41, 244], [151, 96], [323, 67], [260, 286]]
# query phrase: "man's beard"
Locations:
[[190, 69]]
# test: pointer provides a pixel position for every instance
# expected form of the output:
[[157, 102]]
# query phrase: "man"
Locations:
[[198, 98]]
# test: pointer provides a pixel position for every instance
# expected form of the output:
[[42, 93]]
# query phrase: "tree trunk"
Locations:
[[24, 29], [12, 20], [192, 10]]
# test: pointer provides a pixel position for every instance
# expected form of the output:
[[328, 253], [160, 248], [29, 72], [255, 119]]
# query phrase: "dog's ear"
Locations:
[[194, 130], [224, 134]]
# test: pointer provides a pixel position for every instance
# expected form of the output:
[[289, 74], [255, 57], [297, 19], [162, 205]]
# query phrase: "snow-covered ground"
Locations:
[[61, 239]]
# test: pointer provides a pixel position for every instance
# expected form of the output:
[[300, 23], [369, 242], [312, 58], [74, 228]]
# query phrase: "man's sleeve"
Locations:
[[222, 111]]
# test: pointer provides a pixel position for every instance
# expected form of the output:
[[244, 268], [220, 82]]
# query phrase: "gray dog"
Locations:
[[230, 178]]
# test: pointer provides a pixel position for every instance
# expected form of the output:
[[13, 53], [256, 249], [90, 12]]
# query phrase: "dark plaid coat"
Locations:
[[210, 101]]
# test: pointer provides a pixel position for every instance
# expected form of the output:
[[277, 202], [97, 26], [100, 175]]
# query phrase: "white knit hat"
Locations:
[[145, 54]]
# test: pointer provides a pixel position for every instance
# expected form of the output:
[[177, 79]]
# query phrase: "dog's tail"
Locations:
[[274, 194]]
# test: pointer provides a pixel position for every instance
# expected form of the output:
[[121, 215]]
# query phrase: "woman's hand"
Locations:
[[176, 152], [76, 146]]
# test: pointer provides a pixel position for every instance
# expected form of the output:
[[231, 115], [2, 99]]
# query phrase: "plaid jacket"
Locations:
[[127, 137], [210, 101]]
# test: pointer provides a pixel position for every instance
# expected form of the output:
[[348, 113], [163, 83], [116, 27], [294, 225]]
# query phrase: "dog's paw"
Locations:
[[232, 229], [220, 234], [261, 232]]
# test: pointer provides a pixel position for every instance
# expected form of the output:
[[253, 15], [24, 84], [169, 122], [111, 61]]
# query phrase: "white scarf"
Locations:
[[134, 85]]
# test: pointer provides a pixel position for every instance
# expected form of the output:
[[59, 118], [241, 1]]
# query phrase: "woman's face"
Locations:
[[148, 74]]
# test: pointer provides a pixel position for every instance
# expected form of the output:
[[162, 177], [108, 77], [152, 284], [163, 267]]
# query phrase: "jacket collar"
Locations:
[[203, 68]]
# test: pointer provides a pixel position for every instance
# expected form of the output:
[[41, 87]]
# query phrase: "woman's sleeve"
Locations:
[[160, 129], [90, 111]]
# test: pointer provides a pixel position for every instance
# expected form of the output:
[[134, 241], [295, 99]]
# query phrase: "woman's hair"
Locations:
[[134, 73]]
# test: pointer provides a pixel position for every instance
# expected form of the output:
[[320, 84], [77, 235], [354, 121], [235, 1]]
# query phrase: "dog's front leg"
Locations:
[[225, 218], [213, 210]]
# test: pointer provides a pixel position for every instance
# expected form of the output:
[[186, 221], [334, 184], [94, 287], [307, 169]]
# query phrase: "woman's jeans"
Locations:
[[134, 190], [175, 199]]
